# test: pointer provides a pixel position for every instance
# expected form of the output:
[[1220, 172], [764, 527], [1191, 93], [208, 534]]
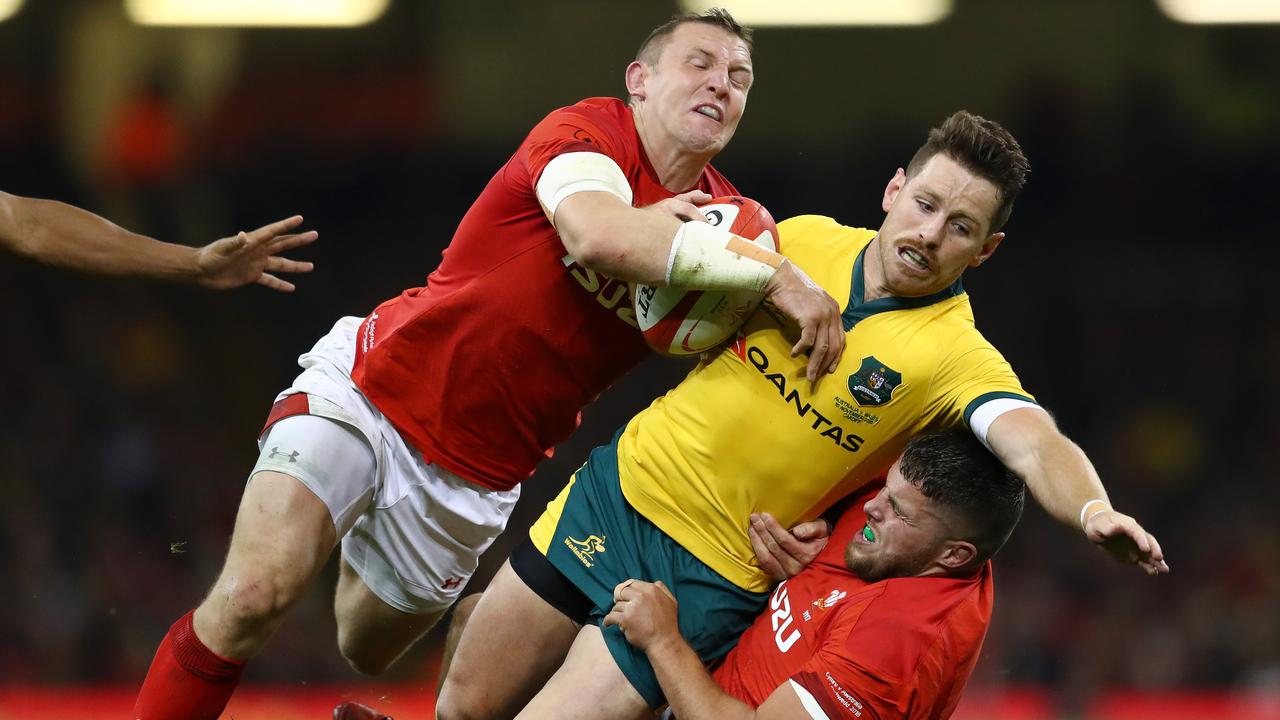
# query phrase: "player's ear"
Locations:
[[637, 73], [956, 555], [896, 183], [988, 249]]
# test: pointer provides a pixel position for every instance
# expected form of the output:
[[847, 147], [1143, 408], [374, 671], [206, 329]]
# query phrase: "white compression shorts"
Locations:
[[411, 530]]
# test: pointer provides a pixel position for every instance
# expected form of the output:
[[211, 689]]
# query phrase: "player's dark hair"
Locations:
[[651, 49], [957, 472], [986, 149]]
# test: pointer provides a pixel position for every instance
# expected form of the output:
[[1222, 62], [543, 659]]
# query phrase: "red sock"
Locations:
[[187, 681]]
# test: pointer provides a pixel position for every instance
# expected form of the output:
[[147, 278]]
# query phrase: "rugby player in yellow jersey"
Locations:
[[746, 432]]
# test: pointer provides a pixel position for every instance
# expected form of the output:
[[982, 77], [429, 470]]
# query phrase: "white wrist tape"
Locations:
[[705, 257], [1085, 507], [577, 172]]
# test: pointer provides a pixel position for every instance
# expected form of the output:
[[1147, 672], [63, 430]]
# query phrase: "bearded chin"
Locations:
[[864, 567], [870, 571]]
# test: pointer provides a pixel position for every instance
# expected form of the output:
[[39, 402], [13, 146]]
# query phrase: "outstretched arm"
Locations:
[[58, 234], [1064, 482]]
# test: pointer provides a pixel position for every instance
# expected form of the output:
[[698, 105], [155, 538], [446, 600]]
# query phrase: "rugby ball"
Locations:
[[689, 322]]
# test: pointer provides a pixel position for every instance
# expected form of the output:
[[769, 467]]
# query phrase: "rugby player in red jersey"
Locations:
[[886, 623], [54, 233], [408, 431]]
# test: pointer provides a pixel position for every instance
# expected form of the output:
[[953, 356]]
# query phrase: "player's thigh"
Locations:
[[310, 474], [313, 478], [371, 633], [281, 539], [281, 526], [513, 642], [419, 543], [589, 685]]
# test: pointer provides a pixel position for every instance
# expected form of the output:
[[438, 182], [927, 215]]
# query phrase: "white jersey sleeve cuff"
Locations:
[[809, 702], [577, 172], [986, 413]]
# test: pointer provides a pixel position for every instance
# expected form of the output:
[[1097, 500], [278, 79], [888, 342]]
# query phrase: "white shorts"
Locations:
[[411, 530]]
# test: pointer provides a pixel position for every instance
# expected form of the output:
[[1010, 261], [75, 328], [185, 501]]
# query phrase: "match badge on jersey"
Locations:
[[874, 382], [689, 322], [834, 597]]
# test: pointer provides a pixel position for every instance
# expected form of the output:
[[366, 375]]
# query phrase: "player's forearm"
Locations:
[[1057, 472], [623, 242], [692, 693], [1063, 480], [58, 234]]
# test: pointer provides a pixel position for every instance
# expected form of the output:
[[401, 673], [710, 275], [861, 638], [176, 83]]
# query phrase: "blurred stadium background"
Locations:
[[1136, 297]]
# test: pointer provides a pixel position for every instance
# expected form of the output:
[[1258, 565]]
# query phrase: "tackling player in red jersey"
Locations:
[[886, 623], [407, 432], [565, 331]]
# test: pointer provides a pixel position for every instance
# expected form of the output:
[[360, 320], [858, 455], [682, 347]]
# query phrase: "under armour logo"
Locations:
[[452, 583], [293, 456]]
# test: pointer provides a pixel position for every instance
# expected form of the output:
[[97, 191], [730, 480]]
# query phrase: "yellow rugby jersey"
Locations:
[[746, 432]]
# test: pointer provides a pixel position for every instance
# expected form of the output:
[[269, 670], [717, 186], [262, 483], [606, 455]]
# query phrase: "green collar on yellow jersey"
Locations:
[[857, 310]]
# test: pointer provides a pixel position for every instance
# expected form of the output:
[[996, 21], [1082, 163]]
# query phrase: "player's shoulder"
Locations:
[[926, 597], [601, 125], [819, 236], [965, 342], [824, 227], [595, 110], [948, 323], [906, 617]]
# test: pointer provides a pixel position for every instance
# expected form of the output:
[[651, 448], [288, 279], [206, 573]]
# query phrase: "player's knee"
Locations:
[[455, 703], [363, 657], [372, 645], [254, 601], [366, 664]]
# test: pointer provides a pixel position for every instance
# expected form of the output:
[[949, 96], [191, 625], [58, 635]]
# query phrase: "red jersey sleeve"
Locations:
[[578, 128]]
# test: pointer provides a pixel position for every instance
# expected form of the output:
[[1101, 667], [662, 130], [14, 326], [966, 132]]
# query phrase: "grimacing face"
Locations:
[[937, 224], [903, 534], [694, 95]]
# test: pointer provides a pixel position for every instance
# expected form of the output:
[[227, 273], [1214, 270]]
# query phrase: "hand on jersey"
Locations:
[[253, 257], [646, 613], [796, 296], [783, 553], [1125, 540]]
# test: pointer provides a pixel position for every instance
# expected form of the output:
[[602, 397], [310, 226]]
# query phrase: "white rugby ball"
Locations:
[[689, 322]]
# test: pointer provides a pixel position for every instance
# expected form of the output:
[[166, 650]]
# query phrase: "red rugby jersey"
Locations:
[[899, 648], [485, 368]]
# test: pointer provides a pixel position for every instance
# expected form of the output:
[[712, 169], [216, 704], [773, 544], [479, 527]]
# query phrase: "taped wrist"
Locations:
[[705, 257], [1084, 521]]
